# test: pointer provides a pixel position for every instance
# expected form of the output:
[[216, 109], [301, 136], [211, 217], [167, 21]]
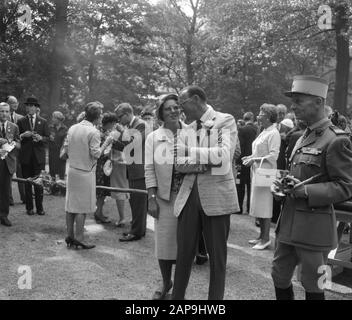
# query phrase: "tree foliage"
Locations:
[[243, 53]]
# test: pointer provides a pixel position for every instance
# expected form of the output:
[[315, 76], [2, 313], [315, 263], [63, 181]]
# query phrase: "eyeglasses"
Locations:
[[182, 103]]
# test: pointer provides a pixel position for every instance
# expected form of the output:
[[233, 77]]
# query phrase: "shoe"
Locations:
[[257, 223], [78, 244], [284, 294], [260, 246], [6, 222], [239, 212], [11, 203], [201, 259], [161, 294], [254, 241], [69, 242], [129, 237], [30, 212], [103, 220], [41, 213]]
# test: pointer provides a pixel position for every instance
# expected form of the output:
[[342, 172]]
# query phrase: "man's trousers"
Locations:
[[191, 222]]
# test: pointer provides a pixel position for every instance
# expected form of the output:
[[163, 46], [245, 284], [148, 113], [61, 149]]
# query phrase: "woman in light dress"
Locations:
[[163, 184], [83, 149], [265, 150], [118, 179]]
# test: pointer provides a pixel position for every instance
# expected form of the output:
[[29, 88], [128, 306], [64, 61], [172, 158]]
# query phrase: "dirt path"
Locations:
[[115, 270]]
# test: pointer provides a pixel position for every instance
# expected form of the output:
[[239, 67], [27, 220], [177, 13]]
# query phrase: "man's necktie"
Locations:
[[32, 124], [199, 126], [12, 118], [3, 132], [306, 133]]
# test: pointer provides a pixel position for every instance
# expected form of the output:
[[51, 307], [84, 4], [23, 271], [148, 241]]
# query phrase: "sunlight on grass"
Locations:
[[93, 228]]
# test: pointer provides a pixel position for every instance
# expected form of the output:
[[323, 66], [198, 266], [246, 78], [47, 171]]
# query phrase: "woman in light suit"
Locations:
[[83, 149], [163, 184], [265, 147]]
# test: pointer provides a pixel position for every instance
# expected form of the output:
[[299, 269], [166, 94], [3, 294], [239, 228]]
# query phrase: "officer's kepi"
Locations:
[[310, 85]]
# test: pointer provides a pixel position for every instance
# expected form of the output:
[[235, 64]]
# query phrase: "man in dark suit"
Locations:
[[9, 135], [14, 117], [246, 136], [132, 141], [281, 160], [34, 134]]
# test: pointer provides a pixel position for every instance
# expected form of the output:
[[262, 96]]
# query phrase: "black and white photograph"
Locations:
[[175, 150]]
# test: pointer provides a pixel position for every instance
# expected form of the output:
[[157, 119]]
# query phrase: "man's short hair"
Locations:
[[195, 90], [124, 108], [270, 110], [93, 111], [4, 104], [248, 116], [10, 98]]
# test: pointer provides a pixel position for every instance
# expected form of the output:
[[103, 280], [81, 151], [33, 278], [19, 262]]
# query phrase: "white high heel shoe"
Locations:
[[254, 241], [263, 246]]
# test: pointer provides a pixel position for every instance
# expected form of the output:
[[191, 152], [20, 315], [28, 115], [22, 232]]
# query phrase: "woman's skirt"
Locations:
[[118, 179], [165, 229], [80, 191]]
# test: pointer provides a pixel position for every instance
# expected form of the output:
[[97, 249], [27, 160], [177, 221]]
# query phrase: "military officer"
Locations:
[[306, 230]]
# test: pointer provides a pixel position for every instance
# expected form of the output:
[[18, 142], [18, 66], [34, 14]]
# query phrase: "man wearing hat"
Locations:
[[306, 230], [34, 135]]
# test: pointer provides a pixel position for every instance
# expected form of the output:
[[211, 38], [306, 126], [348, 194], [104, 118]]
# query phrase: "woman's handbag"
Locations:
[[107, 168], [263, 177]]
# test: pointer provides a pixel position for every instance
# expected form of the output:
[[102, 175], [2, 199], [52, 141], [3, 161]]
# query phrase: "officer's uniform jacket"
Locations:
[[311, 223]]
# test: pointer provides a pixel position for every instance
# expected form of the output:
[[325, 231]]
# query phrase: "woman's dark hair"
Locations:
[[108, 117], [161, 102], [93, 111]]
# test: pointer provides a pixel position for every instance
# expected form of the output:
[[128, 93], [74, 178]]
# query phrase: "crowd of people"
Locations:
[[180, 165]]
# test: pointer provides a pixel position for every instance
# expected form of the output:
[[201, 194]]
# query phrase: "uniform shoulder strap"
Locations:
[[337, 130]]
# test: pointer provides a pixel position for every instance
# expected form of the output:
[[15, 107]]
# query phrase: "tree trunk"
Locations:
[[342, 58], [58, 56]]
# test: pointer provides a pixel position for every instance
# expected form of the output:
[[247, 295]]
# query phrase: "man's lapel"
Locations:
[[317, 132], [309, 140], [37, 123], [134, 123]]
